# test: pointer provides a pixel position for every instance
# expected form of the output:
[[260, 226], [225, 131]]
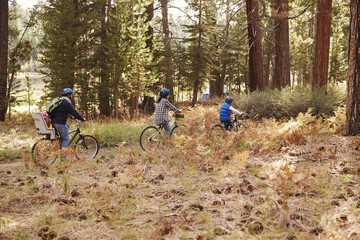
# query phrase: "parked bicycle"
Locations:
[[222, 127], [152, 136], [46, 150]]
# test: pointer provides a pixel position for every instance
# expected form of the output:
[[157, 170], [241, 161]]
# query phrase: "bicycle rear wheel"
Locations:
[[217, 130], [150, 138], [44, 151], [86, 147]]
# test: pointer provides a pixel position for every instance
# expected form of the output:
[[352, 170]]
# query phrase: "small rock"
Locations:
[[43, 173], [75, 193], [46, 185], [342, 219], [227, 190], [322, 148], [345, 170], [217, 191], [160, 176], [316, 230], [176, 207], [114, 173], [197, 206], [216, 203], [248, 207]]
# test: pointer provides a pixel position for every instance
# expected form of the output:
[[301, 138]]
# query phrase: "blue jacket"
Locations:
[[66, 109], [225, 112]]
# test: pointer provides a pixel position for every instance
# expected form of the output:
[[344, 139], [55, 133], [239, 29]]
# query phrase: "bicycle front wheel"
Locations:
[[150, 138], [86, 147], [44, 151], [177, 131]]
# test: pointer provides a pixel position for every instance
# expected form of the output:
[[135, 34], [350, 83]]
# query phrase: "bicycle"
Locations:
[[46, 150], [151, 136], [222, 127]]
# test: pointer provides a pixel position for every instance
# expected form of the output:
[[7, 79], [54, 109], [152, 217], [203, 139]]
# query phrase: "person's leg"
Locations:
[[228, 125], [63, 130], [167, 128]]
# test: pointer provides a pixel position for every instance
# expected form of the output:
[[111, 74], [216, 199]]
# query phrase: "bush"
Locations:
[[290, 102]]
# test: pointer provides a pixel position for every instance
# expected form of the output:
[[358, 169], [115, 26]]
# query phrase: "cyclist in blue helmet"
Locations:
[[63, 111], [162, 110], [225, 110]]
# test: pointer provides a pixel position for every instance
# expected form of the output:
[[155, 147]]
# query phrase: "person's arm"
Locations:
[[235, 111], [73, 112], [172, 107]]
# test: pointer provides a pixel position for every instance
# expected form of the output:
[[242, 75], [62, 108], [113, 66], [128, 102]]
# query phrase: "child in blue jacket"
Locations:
[[225, 111]]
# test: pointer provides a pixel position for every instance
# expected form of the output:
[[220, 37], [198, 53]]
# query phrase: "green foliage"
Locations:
[[290, 102], [115, 132]]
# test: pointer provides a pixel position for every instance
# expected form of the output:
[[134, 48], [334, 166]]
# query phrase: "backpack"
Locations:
[[54, 106]]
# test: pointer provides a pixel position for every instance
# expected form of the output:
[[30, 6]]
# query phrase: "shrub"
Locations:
[[290, 102]]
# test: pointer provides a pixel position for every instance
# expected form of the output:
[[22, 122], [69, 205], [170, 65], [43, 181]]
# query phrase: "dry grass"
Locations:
[[273, 180]]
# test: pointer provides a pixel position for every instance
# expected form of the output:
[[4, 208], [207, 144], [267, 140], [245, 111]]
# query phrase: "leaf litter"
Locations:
[[296, 179]]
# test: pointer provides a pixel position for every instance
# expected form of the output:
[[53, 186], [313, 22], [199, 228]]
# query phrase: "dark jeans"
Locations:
[[228, 124], [63, 130]]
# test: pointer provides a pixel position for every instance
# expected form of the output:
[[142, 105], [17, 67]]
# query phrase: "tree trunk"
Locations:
[[353, 83], [322, 44], [198, 56], [4, 11], [104, 89], [255, 57], [282, 52], [150, 32], [167, 63]]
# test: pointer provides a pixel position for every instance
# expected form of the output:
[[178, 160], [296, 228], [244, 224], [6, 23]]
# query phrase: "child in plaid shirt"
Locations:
[[162, 111]]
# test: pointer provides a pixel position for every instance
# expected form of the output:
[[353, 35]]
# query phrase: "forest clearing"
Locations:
[[290, 172], [296, 179]]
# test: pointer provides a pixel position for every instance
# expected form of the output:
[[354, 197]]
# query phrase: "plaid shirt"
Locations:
[[162, 112]]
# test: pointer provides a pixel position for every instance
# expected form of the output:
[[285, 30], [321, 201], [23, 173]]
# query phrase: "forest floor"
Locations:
[[297, 179]]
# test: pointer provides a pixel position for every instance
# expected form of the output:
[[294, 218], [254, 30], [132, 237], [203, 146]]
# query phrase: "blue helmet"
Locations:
[[164, 92], [229, 99], [66, 91]]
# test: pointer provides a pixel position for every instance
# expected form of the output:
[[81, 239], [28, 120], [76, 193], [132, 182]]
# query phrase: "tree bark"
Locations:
[[322, 44], [104, 89], [255, 57], [282, 52], [4, 12], [198, 56], [353, 83], [167, 63]]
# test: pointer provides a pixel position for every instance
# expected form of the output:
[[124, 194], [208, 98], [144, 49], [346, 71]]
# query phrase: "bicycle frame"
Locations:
[[172, 123], [74, 133]]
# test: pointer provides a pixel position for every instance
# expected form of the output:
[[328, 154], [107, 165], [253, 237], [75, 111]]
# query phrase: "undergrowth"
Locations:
[[289, 102]]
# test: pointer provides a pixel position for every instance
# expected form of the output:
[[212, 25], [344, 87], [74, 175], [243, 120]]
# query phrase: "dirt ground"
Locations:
[[198, 187]]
